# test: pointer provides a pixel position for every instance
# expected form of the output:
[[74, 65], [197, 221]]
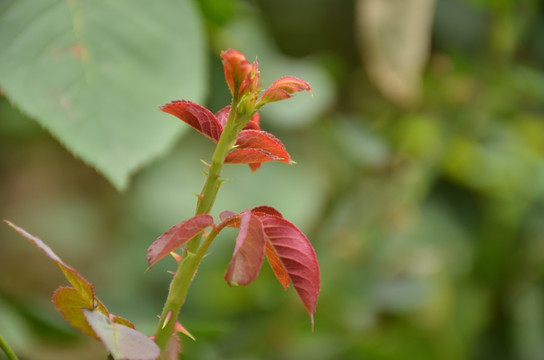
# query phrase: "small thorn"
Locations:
[[205, 164], [176, 256], [167, 318], [173, 273], [179, 328]]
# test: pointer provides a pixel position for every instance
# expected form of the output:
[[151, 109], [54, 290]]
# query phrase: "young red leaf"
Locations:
[[223, 114], [283, 88], [297, 257], [248, 252], [84, 287], [265, 210], [123, 342], [262, 140], [236, 68], [200, 118], [176, 236], [250, 156], [277, 266], [254, 123], [230, 219]]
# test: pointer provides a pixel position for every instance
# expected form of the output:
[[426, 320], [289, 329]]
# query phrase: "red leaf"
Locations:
[[225, 215], [297, 257], [266, 210], [249, 156], [176, 236], [283, 88], [248, 252], [236, 68], [223, 114], [254, 123], [254, 166], [200, 118], [262, 140], [277, 266]]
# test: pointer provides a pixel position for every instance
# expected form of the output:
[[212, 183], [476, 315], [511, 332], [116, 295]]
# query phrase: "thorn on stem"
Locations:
[[167, 318], [176, 256]]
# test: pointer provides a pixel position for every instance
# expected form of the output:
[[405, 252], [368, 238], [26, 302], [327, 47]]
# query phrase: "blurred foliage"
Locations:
[[428, 220]]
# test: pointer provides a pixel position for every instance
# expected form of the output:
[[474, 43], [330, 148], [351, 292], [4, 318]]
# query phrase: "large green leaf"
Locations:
[[92, 72]]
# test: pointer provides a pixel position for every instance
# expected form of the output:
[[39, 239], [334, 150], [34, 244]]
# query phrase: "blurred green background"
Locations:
[[419, 177]]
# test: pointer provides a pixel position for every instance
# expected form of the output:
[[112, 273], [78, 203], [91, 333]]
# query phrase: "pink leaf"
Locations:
[[283, 88], [200, 118], [248, 252], [176, 236], [262, 140], [297, 257]]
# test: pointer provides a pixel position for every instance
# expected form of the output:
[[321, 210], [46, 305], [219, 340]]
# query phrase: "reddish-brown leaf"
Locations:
[[200, 118], [262, 140], [297, 257], [248, 255], [283, 88], [176, 236]]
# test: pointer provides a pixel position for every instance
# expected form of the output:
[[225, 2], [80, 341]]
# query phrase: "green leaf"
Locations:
[[92, 72], [124, 343]]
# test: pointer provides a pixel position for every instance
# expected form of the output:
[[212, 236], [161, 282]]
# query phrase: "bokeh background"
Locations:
[[419, 180]]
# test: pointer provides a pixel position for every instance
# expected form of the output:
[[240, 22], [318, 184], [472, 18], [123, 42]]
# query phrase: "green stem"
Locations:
[[194, 253], [178, 291], [7, 349]]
